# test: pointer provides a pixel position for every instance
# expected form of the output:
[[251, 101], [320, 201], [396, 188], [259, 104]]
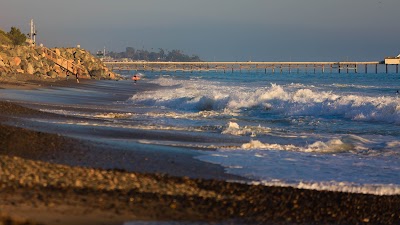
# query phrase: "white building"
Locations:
[[392, 60]]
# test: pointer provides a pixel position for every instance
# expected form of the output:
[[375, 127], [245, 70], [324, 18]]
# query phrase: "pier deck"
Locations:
[[246, 66]]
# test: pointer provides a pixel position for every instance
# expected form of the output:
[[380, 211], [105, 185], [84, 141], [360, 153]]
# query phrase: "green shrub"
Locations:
[[16, 36], [4, 40]]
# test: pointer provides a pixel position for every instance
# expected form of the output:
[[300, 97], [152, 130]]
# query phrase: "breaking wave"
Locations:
[[290, 100], [347, 143], [234, 129]]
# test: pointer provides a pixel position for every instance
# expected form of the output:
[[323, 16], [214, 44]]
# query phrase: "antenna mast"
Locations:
[[32, 34]]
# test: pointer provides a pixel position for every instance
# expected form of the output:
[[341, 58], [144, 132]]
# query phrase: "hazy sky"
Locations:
[[264, 30]]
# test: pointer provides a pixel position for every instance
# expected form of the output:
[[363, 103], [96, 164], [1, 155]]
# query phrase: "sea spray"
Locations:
[[209, 96]]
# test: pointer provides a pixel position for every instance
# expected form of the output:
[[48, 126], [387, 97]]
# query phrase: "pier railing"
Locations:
[[272, 67]]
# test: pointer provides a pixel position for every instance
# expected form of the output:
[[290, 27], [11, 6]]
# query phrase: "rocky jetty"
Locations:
[[33, 63], [93, 67]]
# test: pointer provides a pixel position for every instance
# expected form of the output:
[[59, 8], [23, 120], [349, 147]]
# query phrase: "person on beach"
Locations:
[[135, 78], [77, 76]]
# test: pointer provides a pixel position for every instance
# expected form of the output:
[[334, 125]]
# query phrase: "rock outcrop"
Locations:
[[32, 61], [93, 67]]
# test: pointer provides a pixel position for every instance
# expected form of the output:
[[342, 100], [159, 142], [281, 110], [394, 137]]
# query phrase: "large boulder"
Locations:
[[10, 53], [19, 51], [24, 64], [16, 61], [112, 76], [38, 74], [3, 71], [96, 73], [58, 52], [38, 64], [79, 55], [52, 74], [30, 69], [40, 51]]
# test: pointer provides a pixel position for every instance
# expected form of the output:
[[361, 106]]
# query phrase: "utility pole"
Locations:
[[32, 34]]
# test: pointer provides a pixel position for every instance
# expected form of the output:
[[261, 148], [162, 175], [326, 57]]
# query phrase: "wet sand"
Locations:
[[27, 81], [48, 178]]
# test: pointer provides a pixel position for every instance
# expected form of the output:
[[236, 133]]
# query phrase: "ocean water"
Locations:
[[337, 132], [319, 131]]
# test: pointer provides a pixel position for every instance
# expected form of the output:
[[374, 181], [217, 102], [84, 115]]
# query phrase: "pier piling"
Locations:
[[224, 67]]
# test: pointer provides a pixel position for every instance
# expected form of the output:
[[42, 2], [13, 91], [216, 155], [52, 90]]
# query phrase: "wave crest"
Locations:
[[234, 129], [347, 143], [289, 101]]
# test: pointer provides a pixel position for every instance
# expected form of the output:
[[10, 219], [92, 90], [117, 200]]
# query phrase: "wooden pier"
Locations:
[[266, 67]]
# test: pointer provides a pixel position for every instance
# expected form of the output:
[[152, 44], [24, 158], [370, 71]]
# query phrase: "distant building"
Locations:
[[392, 60], [100, 54]]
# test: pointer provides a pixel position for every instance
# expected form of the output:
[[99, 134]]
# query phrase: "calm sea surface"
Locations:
[[319, 131]]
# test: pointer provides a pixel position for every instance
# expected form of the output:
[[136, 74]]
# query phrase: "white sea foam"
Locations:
[[354, 86], [347, 143], [234, 129], [393, 144], [177, 144], [61, 112], [117, 125], [288, 100], [108, 115], [352, 174], [113, 115], [374, 189], [255, 144], [185, 115]]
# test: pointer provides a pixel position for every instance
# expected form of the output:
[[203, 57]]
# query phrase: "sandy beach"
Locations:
[[50, 178]]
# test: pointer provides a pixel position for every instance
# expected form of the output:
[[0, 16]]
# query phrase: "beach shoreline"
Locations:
[[29, 82], [43, 182]]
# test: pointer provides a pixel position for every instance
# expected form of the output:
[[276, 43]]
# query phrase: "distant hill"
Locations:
[[160, 55], [4, 40]]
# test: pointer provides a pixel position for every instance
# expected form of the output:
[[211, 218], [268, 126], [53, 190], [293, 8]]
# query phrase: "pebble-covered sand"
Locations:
[[157, 197]]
